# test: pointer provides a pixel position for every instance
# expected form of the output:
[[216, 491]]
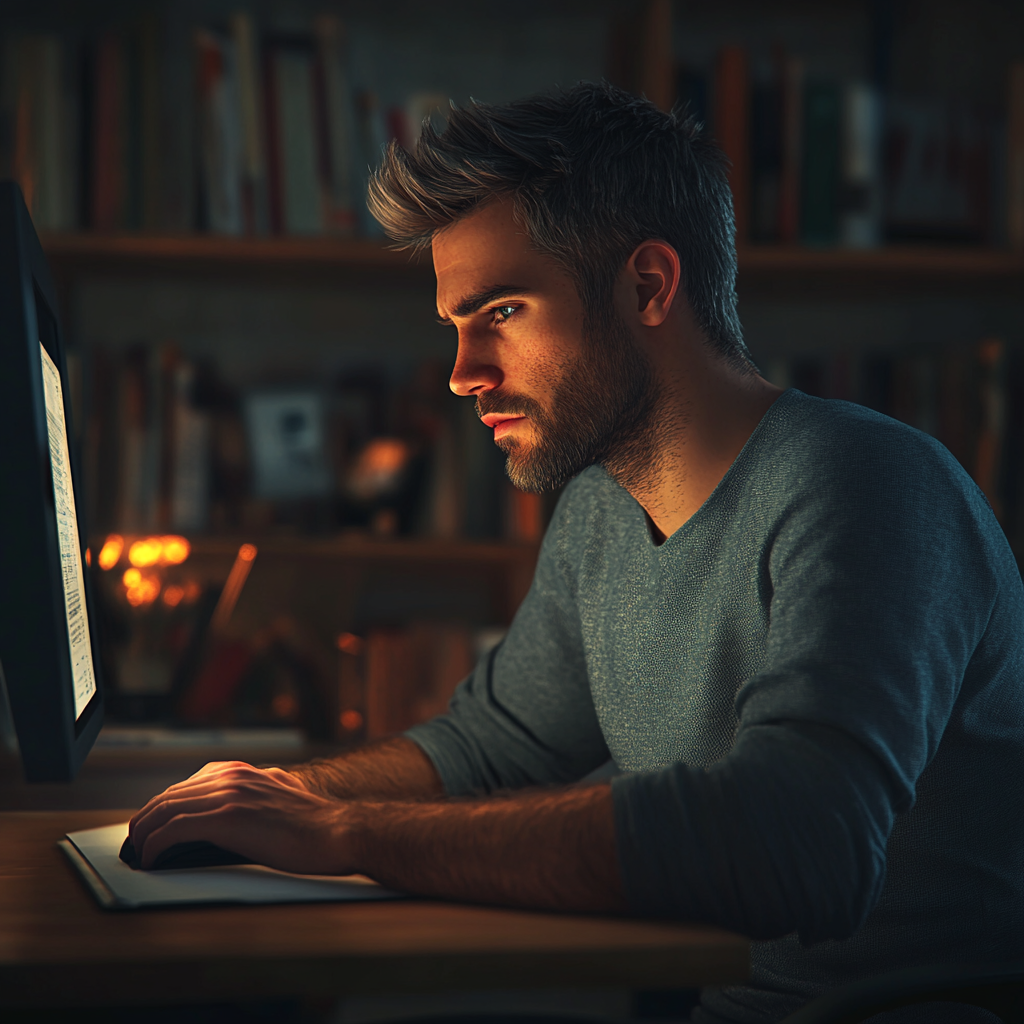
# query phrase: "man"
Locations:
[[793, 625]]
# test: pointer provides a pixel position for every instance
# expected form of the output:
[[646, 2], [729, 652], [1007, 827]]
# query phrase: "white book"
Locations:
[[341, 124], [250, 100], [861, 221], [220, 132], [301, 187]]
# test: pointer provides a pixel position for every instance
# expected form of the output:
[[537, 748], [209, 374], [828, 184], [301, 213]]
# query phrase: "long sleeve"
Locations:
[[881, 580], [525, 716]]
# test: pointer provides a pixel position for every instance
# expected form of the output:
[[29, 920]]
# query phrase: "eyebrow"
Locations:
[[470, 304]]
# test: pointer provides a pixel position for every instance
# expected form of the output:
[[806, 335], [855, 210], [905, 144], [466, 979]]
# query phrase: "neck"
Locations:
[[704, 414]]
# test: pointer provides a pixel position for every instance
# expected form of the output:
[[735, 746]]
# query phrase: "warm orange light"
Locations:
[[192, 592], [131, 577], [88, 557], [233, 587], [349, 643], [384, 455], [145, 590], [146, 552], [174, 550], [284, 705], [110, 553], [173, 595], [351, 720]]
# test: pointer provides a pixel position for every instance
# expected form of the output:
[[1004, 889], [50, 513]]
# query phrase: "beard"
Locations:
[[601, 412]]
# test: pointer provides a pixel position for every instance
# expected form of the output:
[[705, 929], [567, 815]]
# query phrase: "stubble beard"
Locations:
[[602, 412]]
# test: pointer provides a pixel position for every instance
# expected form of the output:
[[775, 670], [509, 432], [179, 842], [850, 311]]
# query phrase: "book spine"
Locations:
[[302, 188], [732, 130], [177, 125], [50, 131], [275, 168], [151, 156], [765, 161], [791, 75], [819, 213], [861, 221], [255, 212], [25, 157], [108, 126], [1015, 157], [133, 115], [220, 142], [340, 125]]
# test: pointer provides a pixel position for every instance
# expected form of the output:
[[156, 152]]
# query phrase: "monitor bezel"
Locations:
[[53, 741]]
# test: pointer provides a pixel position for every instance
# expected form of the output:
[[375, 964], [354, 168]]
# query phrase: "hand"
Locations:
[[265, 814]]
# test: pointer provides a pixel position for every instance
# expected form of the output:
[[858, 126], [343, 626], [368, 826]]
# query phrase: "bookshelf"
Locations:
[[509, 565], [818, 316]]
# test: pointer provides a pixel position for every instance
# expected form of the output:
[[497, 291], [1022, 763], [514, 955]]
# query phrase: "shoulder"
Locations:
[[824, 465], [812, 441]]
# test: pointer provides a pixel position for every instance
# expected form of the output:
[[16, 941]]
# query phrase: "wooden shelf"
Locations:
[[358, 547], [193, 255]]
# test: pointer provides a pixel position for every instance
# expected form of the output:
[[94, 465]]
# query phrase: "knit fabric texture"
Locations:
[[814, 690]]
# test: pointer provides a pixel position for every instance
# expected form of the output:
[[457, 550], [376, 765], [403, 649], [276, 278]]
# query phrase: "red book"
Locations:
[[732, 130], [108, 175]]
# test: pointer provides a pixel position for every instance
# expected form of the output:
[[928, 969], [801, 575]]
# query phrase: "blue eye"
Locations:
[[504, 313]]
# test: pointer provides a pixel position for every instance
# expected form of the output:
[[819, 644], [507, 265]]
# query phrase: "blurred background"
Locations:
[[299, 537]]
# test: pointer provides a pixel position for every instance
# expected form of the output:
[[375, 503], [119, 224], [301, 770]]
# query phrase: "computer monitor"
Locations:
[[48, 644]]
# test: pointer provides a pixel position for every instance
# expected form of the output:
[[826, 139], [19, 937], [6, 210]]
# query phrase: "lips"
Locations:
[[492, 419], [501, 423]]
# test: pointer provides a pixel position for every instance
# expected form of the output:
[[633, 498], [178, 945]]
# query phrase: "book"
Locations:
[[791, 75], [296, 166], [939, 174], [220, 142], [819, 208], [108, 124], [765, 161], [1015, 156], [861, 187], [340, 123], [255, 210], [177, 133], [188, 483], [732, 130], [151, 149], [132, 115], [373, 137]]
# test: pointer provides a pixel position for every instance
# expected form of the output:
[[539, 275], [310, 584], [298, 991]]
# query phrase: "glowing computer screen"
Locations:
[[83, 674]]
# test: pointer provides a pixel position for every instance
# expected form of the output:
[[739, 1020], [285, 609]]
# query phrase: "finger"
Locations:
[[164, 806], [174, 788], [211, 824], [215, 769]]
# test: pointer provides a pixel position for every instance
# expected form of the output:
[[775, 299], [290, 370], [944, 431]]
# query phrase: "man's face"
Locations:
[[560, 390]]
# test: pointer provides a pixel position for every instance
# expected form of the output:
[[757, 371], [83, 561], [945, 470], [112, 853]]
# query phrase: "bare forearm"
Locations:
[[543, 849], [389, 769]]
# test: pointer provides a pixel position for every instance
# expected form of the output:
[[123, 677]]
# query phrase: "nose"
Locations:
[[473, 373]]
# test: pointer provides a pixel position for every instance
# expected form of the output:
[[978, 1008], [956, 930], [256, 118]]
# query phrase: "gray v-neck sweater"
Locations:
[[814, 690]]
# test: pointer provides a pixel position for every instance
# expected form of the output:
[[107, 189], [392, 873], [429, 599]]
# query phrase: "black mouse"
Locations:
[[184, 855]]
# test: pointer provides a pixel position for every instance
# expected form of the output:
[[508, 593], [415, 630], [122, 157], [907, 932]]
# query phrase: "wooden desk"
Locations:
[[58, 948]]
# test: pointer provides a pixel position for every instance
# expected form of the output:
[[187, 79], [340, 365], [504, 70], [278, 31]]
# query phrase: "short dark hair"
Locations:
[[592, 172]]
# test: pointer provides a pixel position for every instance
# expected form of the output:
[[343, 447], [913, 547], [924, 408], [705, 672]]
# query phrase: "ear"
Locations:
[[653, 274]]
